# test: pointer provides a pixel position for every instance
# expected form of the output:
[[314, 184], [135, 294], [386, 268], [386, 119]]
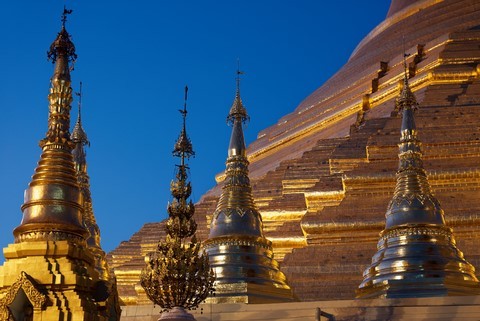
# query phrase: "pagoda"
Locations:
[[50, 272], [239, 253], [323, 174], [108, 280], [417, 254]]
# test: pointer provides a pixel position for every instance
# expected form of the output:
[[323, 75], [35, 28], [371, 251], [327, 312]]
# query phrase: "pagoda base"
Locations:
[[244, 292], [421, 288], [49, 280]]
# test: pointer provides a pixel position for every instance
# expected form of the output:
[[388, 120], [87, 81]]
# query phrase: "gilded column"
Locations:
[[238, 251], [417, 255]]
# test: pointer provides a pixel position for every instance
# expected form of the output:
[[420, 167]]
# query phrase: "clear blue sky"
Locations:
[[134, 59]]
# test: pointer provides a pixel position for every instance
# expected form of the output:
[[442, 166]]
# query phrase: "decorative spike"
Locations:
[[78, 134], [417, 255], [178, 275], [62, 47], [64, 15], [53, 201], [238, 111], [238, 251], [183, 146]]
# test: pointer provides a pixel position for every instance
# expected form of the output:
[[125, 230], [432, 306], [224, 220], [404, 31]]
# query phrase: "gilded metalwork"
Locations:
[[178, 275], [53, 202], [183, 145], [417, 255], [30, 288], [238, 251], [57, 267], [80, 139]]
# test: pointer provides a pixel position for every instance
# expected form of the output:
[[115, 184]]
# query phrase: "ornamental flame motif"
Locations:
[[178, 273]]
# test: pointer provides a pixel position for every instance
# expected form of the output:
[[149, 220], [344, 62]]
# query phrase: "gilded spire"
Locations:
[[79, 138], [417, 255], [237, 111], [412, 184], [236, 212], [62, 51], [183, 146], [178, 275], [53, 201], [238, 251]]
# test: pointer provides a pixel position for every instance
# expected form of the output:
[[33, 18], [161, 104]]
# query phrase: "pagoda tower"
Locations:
[[241, 256], [80, 139], [417, 255], [49, 274]]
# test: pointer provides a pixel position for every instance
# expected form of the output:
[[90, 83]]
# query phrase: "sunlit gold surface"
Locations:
[[50, 271], [79, 138], [417, 254], [53, 202], [338, 219], [239, 253]]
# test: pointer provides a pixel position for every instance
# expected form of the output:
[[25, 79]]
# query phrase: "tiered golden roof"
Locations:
[[417, 255], [178, 275], [239, 252]]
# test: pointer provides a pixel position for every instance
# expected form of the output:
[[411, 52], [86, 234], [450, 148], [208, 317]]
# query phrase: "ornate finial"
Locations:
[[239, 72], [178, 274], [64, 15], [78, 134], [183, 147], [237, 111], [62, 45], [407, 98]]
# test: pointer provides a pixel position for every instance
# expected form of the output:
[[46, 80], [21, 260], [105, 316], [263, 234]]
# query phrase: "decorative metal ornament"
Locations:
[[178, 273]]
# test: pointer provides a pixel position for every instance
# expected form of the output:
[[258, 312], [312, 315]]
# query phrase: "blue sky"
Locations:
[[134, 59]]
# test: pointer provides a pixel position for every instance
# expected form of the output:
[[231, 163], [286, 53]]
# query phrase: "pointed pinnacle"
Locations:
[[183, 146]]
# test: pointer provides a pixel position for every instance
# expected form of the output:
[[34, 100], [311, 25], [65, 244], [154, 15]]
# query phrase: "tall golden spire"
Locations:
[[417, 255], [53, 201], [178, 275], [50, 250], [80, 139], [239, 253]]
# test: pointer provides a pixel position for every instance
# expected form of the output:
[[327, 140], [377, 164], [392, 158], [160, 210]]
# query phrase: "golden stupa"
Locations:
[[323, 175], [417, 254], [108, 281], [240, 255], [51, 271]]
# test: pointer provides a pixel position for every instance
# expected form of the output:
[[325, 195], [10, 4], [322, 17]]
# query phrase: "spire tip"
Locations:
[[64, 15]]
